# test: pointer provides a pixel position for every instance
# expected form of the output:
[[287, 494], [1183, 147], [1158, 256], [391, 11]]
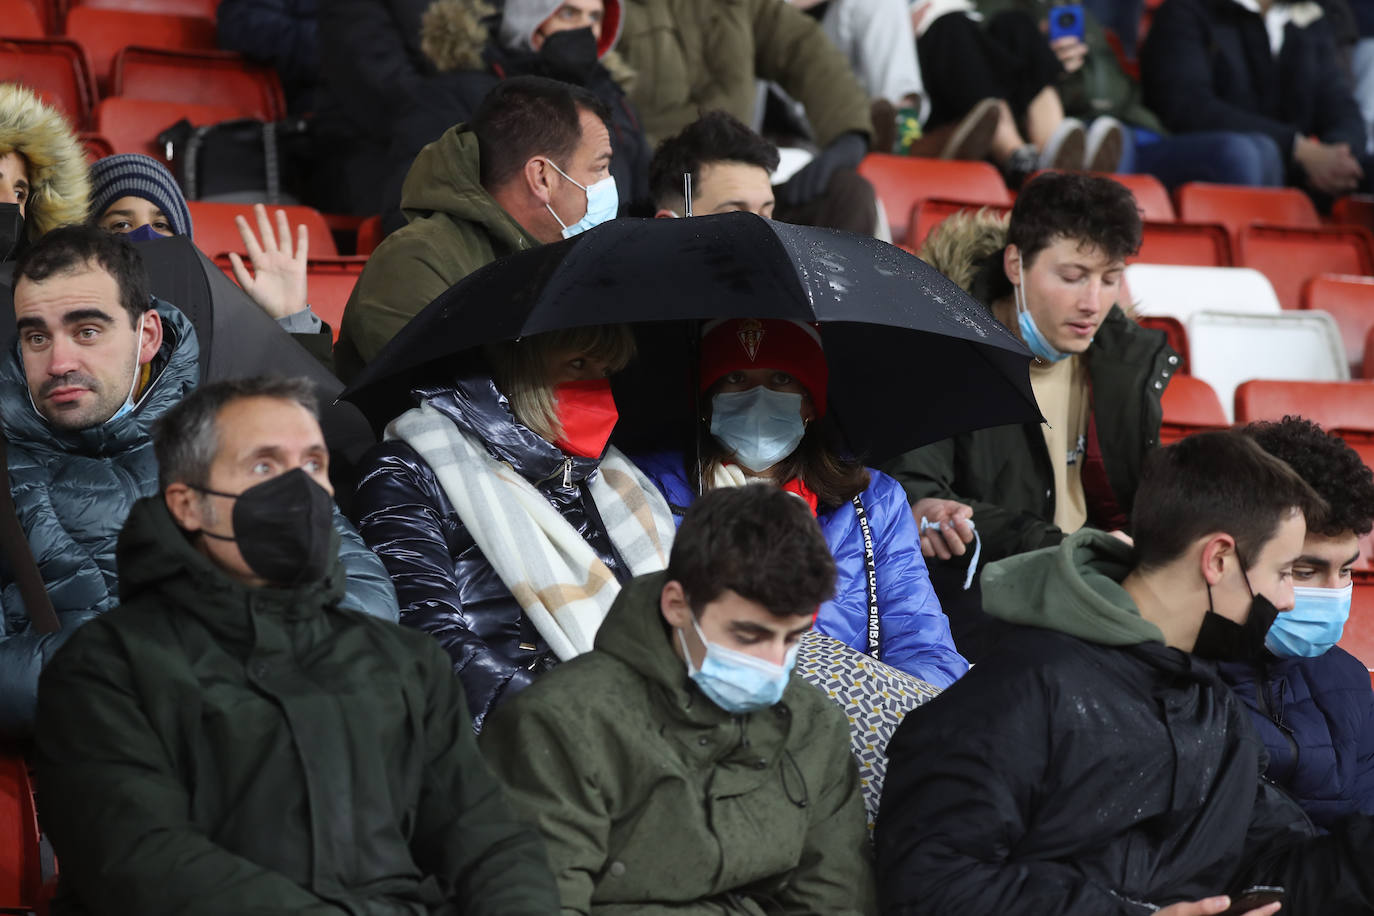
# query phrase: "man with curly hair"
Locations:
[[1309, 699]]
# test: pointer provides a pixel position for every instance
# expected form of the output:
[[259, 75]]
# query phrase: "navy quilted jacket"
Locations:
[[1316, 716]]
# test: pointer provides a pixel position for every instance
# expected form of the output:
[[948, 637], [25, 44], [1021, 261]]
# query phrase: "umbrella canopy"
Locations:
[[913, 359]]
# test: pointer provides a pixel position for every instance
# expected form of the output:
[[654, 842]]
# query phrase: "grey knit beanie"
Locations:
[[137, 175]]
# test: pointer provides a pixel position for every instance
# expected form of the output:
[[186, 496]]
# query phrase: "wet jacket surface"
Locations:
[[209, 748], [653, 800], [1087, 768], [915, 634], [73, 491], [445, 584], [455, 227], [692, 56], [1316, 718]]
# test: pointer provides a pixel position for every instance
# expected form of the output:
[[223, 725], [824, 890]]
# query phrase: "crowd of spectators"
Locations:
[[543, 674]]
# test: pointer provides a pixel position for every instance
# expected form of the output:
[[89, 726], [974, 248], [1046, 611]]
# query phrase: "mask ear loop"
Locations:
[[133, 385]]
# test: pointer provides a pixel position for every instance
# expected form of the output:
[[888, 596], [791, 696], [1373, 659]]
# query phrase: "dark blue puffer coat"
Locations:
[[73, 492], [915, 632], [444, 582], [1316, 716]]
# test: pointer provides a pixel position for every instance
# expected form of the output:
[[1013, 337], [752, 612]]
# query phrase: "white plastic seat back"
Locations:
[[1228, 349], [1180, 292]]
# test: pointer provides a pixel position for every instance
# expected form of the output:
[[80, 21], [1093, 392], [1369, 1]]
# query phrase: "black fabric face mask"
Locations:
[[570, 55], [283, 527], [11, 231], [1223, 640]]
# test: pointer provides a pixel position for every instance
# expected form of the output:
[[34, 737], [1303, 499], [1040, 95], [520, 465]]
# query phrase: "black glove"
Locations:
[[846, 152]]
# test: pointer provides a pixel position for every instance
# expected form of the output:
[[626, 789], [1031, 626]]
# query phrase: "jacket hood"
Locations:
[[1074, 588], [960, 244], [176, 370], [59, 187], [462, 34], [157, 559], [446, 178], [476, 406]]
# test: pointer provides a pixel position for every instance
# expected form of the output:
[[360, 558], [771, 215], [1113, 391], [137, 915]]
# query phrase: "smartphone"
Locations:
[[1253, 899], [1066, 21]]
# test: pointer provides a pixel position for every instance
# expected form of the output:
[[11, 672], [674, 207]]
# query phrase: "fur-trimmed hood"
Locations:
[[454, 33], [59, 186]]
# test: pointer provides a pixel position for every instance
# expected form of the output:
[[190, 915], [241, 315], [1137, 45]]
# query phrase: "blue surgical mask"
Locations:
[[737, 682], [131, 400], [602, 203], [1030, 333], [1314, 624], [760, 426]]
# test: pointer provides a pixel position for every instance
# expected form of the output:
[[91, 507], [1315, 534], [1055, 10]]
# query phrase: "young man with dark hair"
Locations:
[[1052, 275], [532, 167], [730, 165], [680, 765], [1096, 764], [1309, 699], [231, 739], [98, 361]]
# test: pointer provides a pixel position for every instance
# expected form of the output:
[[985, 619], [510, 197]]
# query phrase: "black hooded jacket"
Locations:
[[444, 583]]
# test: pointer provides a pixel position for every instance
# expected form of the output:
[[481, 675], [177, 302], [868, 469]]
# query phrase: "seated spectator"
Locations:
[[568, 40], [1309, 699], [136, 195], [763, 393], [232, 738], [1006, 60], [1096, 763], [1362, 64], [1052, 275], [533, 167], [680, 766], [283, 33], [42, 168], [1265, 69], [697, 55], [506, 523], [729, 164], [98, 361], [1094, 85]]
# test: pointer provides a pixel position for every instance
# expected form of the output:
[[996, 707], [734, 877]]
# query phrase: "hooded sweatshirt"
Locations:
[[1085, 768], [56, 163], [521, 18]]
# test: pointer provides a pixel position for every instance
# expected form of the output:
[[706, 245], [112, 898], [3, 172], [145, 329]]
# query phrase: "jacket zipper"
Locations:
[[1267, 709], [567, 473]]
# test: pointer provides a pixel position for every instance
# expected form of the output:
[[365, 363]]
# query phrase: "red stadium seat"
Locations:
[[931, 212], [1190, 406], [1174, 330], [21, 869], [1237, 207], [104, 33], [902, 181], [1289, 257], [1358, 638], [331, 283], [1349, 300], [1332, 405], [132, 125], [369, 235], [1354, 210], [201, 78], [54, 68], [216, 232], [205, 9], [1150, 195], [1185, 244], [96, 146], [21, 19]]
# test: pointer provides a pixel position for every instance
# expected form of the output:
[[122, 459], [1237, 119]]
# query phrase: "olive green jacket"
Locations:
[[212, 748], [694, 56], [454, 228], [653, 800]]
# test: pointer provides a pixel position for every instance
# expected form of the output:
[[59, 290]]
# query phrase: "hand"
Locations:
[[1212, 905], [278, 282], [1071, 52], [1123, 537], [954, 531], [845, 153], [1330, 167]]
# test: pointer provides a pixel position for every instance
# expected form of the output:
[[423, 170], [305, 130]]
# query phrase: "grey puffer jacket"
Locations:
[[73, 491]]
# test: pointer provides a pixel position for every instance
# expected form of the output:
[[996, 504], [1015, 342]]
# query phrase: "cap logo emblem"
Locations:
[[750, 336]]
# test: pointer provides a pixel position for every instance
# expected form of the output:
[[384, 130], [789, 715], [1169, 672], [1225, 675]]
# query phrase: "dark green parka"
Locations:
[[212, 748], [1005, 472]]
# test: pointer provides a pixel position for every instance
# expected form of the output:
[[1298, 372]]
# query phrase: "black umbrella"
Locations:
[[913, 358]]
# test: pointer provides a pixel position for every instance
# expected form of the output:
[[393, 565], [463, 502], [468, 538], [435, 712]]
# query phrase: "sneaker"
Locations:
[[1021, 165], [1063, 152], [1106, 142], [973, 134]]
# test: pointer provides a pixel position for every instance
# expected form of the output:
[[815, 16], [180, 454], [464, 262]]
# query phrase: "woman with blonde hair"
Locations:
[[42, 165], [505, 520]]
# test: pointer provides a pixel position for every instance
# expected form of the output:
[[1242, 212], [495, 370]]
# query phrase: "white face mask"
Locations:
[[603, 200]]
